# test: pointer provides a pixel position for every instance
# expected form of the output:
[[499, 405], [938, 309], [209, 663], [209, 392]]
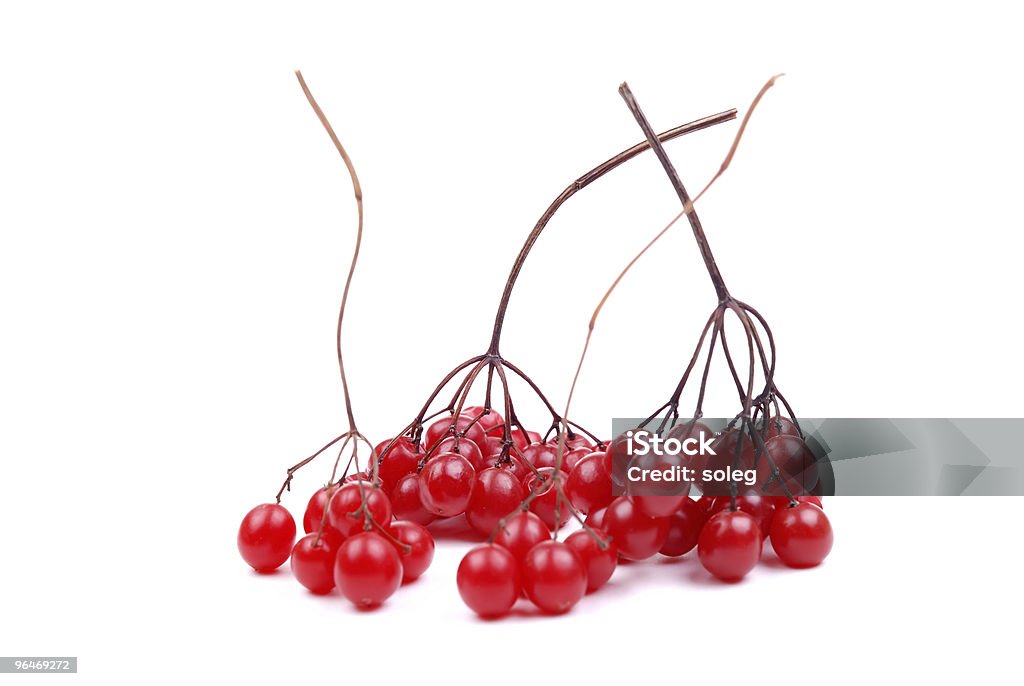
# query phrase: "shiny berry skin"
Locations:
[[489, 580], [463, 424], [661, 498], [367, 569], [796, 463], [760, 507], [313, 561], [801, 535], [554, 576], [468, 449], [589, 486], [595, 519], [780, 426], [406, 503], [636, 535], [683, 529], [315, 509], [489, 421], [446, 483], [599, 563], [343, 511], [522, 440], [547, 504], [420, 552], [542, 455], [579, 442], [496, 493], [729, 545], [522, 531], [402, 459], [265, 537]]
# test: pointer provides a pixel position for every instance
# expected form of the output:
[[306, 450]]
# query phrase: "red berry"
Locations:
[[760, 507], [406, 503], [658, 498], [730, 545], [595, 520], [367, 569], [598, 562], [314, 514], [313, 561], [496, 493], [488, 580], [542, 455], [344, 511], [780, 426], [522, 531], [801, 535], [547, 504], [589, 486], [796, 463], [402, 459], [462, 424], [554, 577], [683, 529], [415, 548], [446, 483], [636, 535], [465, 447], [265, 537], [489, 420]]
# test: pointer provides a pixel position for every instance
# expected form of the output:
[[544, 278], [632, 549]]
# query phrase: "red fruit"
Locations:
[[313, 561], [488, 580], [541, 455], [730, 545], [465, 447], [344, 511], [265, 537], [554, 577], [489, 421], [598, 562], [684, 529], [522, 531], [314, 514], [446, 483], [801, 535], [658, 498], [406, 502], [492, 451], [780, 426], [462, 424], [760, 507], [402, 459], [367, 569], [636, 535], [595, 520], [522, 440], [589, 486], [496, 493], [415, 548], [580, 442], [547, 504]]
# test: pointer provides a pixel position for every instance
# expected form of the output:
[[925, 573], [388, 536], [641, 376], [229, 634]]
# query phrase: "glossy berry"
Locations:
[[415, 548], [402, 459], [313, 561], [796, 463], [589, 486], [314, 514], [730, 545], [547, 504], [595, 519], [760, 507], [465, 447], [522, 531], [265, 537], [489, 580], [554, 576], [636, 535], [496, 493], [683, 529], [598, 562], [463, 425], [367, 569], [542, 455], [344, 511], [801, 535], [489, 421], [406, 503], [446, 484]]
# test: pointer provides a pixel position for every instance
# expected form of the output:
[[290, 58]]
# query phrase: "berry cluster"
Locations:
[[365, 531]]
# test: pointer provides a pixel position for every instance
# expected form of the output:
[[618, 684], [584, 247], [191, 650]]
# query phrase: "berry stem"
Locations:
[[577, 185]]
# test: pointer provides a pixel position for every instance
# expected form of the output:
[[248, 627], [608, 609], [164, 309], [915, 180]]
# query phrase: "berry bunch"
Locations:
[[365, 529]]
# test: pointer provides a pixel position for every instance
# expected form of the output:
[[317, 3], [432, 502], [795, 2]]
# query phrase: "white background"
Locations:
[[175, 229]]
